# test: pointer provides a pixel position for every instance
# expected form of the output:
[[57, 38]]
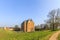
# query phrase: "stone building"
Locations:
[[27, 26], [9, 28]]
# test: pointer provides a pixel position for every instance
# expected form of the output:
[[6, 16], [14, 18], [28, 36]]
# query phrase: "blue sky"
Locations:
[[14, 12]]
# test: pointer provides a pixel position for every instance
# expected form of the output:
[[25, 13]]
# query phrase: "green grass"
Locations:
[[12, 35], [58, 37]]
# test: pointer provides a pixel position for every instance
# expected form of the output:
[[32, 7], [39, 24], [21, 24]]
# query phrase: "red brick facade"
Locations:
[[27, 26]]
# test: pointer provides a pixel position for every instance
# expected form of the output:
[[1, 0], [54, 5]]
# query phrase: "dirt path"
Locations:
[[54, 36]]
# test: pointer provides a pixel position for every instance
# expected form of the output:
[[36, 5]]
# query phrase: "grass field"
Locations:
[[12, 35], [58, 37]]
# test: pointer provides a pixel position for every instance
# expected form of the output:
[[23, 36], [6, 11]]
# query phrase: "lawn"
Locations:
[[12, 35]]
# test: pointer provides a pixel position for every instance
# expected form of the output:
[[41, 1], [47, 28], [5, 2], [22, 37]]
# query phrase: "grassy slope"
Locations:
[[11, 35]]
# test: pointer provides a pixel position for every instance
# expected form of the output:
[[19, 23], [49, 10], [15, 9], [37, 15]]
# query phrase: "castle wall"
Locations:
[[28, 26]]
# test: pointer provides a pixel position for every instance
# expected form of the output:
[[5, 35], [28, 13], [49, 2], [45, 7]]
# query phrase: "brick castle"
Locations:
[[27, 26]]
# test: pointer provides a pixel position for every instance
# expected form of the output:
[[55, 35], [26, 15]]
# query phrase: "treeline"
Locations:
[[52, 22]]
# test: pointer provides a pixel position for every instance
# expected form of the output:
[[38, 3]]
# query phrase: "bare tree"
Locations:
[[54, 17]]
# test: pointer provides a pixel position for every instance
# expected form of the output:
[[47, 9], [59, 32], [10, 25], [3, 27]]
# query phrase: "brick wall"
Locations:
[[28, 26]]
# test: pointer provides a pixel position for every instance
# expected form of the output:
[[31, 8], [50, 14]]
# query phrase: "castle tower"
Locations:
[[27, 26]]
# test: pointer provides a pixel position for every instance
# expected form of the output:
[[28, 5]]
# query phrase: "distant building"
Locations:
[[8, 28], [27, 26]]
